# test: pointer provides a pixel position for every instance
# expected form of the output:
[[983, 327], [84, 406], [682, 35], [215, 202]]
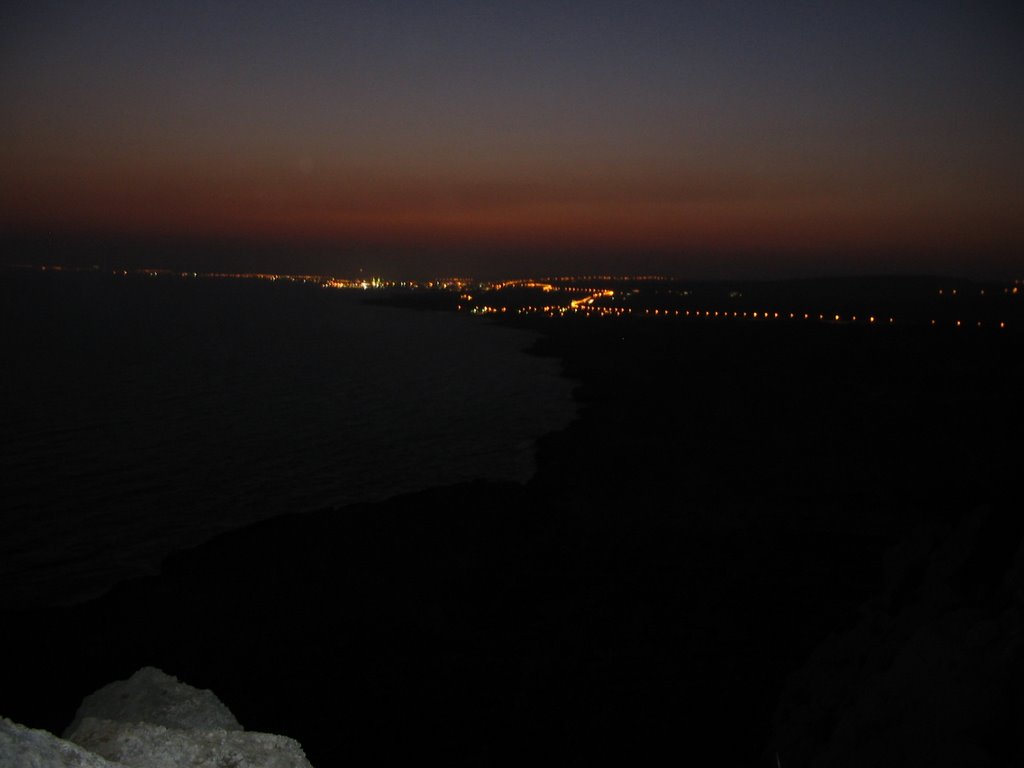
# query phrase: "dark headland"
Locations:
[[771, 543]]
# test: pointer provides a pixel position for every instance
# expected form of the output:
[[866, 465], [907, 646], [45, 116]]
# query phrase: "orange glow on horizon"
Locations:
[[415, 212]]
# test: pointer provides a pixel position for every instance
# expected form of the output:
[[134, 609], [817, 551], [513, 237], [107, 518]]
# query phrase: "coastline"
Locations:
[[150, 414], [656, 583]]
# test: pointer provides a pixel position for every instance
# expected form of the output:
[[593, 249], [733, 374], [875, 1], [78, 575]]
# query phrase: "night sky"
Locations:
[[698, 137]]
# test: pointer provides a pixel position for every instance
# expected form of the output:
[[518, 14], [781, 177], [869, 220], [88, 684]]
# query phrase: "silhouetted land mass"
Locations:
[[748, 526]]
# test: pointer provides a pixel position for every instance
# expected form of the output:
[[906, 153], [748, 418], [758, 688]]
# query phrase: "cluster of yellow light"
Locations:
[[339, 283], [454, 282], [589, 298], [546, 287], [147, 272], [324, 280], [618, 278], [518, 284], [271, 276]]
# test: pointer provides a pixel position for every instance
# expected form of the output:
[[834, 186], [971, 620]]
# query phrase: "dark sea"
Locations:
[[141, 415]]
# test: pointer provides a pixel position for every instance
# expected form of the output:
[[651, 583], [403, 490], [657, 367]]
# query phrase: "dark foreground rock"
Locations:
[[933, 673]]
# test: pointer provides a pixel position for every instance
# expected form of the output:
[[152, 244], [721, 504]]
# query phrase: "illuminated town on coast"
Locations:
[[935, 302]]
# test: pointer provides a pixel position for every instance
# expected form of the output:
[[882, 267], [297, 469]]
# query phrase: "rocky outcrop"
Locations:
[[152, 696], [932, 673], [144, 745], [22, 747], [150, 720]]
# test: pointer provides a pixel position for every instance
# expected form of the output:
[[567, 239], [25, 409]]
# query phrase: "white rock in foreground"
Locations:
[[153, 721], [152, 696], [144, 745], [22, 747]]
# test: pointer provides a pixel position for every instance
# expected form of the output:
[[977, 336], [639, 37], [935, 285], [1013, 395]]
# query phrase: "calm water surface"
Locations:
[[142, 415]]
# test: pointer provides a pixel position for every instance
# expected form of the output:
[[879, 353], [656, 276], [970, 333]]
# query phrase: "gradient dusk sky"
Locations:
[[798, 136]]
